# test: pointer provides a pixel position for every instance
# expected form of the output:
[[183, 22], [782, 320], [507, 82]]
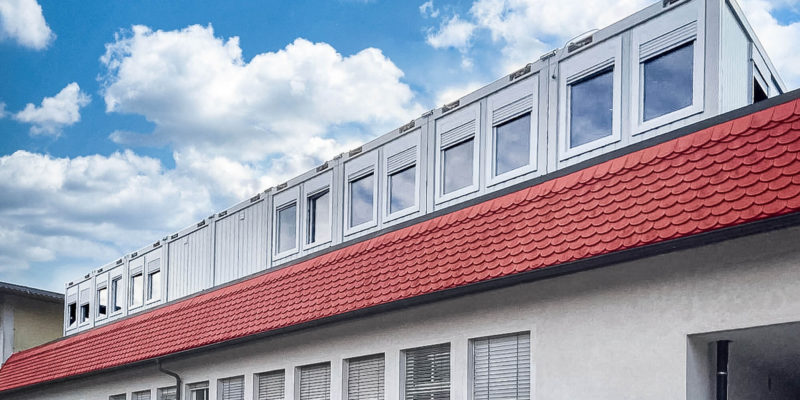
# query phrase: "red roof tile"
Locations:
[[739, 171]]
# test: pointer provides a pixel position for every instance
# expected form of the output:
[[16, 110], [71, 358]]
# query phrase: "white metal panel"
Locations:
[[734, 76], [240, 243], [190, 263]]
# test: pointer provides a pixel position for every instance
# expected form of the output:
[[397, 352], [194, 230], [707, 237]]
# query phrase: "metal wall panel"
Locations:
[[190, 263], [240, 243], [734, 64]]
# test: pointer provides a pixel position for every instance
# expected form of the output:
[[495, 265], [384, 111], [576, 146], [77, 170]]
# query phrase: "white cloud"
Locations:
[[453, 93], [92, 207], [453, 32], [3, 112], [774, 37], [55, 112], [427, 9], [204, 97], [22, 21], [528, 28]]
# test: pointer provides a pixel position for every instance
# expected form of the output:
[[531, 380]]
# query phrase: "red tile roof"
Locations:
[[739, 171]]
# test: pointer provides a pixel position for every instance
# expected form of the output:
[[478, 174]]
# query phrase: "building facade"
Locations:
[[28, 317], [546, 245]]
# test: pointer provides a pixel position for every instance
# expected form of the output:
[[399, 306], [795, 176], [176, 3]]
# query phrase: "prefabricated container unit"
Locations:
[[672, 64]]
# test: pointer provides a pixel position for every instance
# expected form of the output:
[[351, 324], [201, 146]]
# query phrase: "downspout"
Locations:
[[174, 375], [722, 369]]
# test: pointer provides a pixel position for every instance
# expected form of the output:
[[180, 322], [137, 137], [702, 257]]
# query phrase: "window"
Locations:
[[84, 313], [759, 93], [591, 103], [102, 302], [427, 373], [231, 388], [365, 378], [143, 395], [287, 228], [501, 367], [361, 200], [154, 285], [315, 382], [72, 310], [668, 81], [402, 189], [136, 290], [512, 144], [197, 391], [168, 393], [319, 217], [458, 170], [270, 385], [116, 294], [117, 397]]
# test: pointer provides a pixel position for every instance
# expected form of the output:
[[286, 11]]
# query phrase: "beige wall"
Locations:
[[35, 322]]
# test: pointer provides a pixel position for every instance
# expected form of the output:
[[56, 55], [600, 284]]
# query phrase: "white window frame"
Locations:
[[136, 394], [161, 392], [445, 124], [346, 374], [220, 383], [77, 318], [97, 315], [471, 360], [298, 371], [88, 320], [410, 142], [659, 29], [513, 97], [112, 292], [197, 386], [404, 367], [257, 380], [132, 287], [149, 287], [355, 169], [311, 188], [283, 200], [585, 64]]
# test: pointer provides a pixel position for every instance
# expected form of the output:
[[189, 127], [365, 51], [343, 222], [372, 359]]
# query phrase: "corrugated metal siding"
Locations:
[[190, 267], [734, 67], [240, 245]]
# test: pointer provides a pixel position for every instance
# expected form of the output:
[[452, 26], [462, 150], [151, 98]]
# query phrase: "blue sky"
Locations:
[[123, 121]]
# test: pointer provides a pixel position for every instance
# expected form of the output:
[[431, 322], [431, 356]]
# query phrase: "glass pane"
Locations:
[[287, 228], [590, 108], [154, 286], [319, 219], [668, 82], [84, 313], [136, 290], [102, 302], [457, 161], [116, 295], [402, 189], [512, 144], [73, 313], [361, 202]]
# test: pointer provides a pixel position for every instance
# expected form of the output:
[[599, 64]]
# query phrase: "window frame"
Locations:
[[316, 194], [298, 381], [346, 374], [132, 289], [135, 395], [411, 143], [507, 98], [115, 285], [356, 176], [257, 380], [197, 386], [98, 316], [355, 168], [404, 367], [448, 123], [660, 29], [148, 291], [220, 385], [471, 360], [72, 305], [293, 201], [160, 392], [577, 68]]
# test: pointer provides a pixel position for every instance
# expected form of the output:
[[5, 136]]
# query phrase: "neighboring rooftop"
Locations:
[[27, 291], [724, 177]]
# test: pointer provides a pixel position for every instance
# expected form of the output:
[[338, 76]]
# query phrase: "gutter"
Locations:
[[175, 375]]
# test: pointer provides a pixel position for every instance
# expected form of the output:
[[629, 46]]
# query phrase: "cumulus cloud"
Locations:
[[92, 207], [773, 35], [427, 9], [201, 94], [55, 112], [453, 93], [22, 21]]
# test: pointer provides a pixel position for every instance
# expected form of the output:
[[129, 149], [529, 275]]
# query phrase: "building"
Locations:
[[614, 220], [28, 317]]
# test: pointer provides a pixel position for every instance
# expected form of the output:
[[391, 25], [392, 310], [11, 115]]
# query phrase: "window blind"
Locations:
[[427, 373], [117, 397], [365, 376], [501, 367], [169, 393], [315, 382], [141, 395], [231, 388], [271, 385]]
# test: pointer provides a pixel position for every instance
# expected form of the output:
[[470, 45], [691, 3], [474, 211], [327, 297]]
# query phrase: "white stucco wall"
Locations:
[[618, 332]]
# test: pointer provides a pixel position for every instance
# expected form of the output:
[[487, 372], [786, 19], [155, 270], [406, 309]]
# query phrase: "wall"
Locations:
[[36, 322], [618, 332]]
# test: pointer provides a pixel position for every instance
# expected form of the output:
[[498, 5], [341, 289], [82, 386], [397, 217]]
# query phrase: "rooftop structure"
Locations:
[[665, 67], [28, 317]]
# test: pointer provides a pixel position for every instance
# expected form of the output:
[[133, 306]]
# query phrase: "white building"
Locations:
[[614, 220]]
